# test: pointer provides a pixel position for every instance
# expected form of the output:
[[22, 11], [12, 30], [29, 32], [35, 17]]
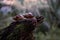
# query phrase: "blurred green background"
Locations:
[[50, 11]]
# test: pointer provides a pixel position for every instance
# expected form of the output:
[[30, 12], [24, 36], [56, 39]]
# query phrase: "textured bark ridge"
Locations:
[[19, 30]]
